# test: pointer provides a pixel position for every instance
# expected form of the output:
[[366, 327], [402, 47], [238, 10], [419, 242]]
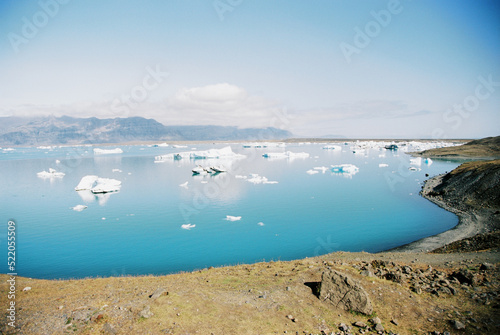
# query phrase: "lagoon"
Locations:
[[153, 225]]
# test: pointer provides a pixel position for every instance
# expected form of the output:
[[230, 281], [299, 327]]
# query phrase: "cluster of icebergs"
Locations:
[[264, 145], [96, 184], [225, 152], [347, 170]]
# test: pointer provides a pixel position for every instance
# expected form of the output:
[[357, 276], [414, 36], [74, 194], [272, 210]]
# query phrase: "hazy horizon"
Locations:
[[377, 69]]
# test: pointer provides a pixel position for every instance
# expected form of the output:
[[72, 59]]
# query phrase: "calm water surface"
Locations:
[[138, 230]]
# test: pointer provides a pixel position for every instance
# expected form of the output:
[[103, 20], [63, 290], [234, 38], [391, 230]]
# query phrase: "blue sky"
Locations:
[[427, 69]]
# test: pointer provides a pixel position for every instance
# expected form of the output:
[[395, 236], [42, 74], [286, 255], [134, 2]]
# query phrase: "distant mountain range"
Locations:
[[50, 130]]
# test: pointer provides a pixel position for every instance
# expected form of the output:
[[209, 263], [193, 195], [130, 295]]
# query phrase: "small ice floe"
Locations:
[[96, 184], [188, 226], [261, 224], [345, 168], [200, 170], [321, 168], [179, 146], [185, 185], [218, 168], [412, 168], [58, 161], [116, 170], [332, 147], [161, 145], [312, 171], [50, 174], [416, 161], [8, 149], [233, 218], [103, 218], [204, 182], [383, 165], [79, 208], [428, 161], [287, 154], [98, 151], [256, 179], [238, 176]]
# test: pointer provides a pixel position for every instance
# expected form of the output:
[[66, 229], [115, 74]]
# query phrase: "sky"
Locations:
[[357, 69]]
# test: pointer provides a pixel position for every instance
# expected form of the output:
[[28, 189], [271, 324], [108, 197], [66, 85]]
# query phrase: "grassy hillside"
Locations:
[[488, 147]]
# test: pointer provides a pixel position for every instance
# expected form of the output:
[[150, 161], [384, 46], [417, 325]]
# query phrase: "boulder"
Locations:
[[343, 292]]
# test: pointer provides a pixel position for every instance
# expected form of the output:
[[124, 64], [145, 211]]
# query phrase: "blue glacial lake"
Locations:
[[138, 230]]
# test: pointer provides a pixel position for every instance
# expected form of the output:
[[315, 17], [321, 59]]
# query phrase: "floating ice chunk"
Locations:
[[233, 218], [428, 161], [116, 170], [345, 168], [106, 185], [98, 185], [321, 168], [383, 165], [256, 179], [204, 182], [79, 208], [179, 146], [185, 185], [98, 151], [312, 171], [412, 168], [287, 154], [103, 218], [162, 145], [332, 147], [264, 145], [58, 161], [188, 226], [260, 224], [240, 177], [86, 183], [416, 161], [50, 174]]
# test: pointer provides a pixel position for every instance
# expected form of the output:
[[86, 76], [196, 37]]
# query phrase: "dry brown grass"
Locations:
[[244, 299]]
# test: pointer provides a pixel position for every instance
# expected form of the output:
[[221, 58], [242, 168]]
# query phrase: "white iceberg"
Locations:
[[428, 161], [321, 168], [287, 154], [238, 176], [79, 208], [264, 145], [347, 170], [233, 218], [98, 185], [98, 151], [185, 185], [179, 146], [50, 174], [116, 170], [188, 226], [162, 145], [256, 179], [383, 165], [261, 224], [416, 161], [332, 147], [225, 152], [312, 171]]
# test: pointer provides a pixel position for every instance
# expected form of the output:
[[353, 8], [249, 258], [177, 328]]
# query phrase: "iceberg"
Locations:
[[264, 145], [321, 168], [332, 147], [225, 152], [116, 170], [233, 218], [261, 224], [256, 179], [177, 146], [383, 165], [347, 170], [98, 151], [428, 161], [416, 161], [98, 185], [79, 208], [50, 174], [287, 154], [185, 185], [188, 226], [312, 171]]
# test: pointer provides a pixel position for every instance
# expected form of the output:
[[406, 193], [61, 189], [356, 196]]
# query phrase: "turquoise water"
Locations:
[[138, 230]]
